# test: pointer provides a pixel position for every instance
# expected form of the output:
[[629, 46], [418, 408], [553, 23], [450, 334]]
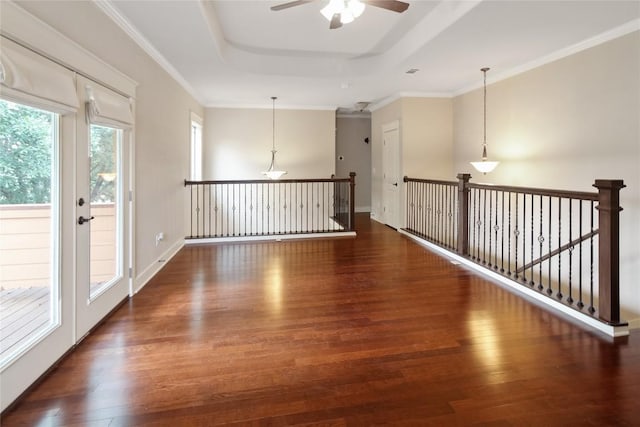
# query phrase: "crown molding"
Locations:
[[602, 38], [107, 7], [278, 107], [388, 100]]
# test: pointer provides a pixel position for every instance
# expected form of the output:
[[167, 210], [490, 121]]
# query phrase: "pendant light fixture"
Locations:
[[273, 173], [484, 165]]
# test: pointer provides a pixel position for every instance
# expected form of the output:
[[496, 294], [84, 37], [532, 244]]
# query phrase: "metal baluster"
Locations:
[[421, 209], [210, 211], [580, 302], [516, 233], [198, 209], [417, 194], [496, 228], [484, 226], [570, 298], [233, 209], [489, 225], [541, 241], [591, 307], [409, 190], [429, 212], [441, 215], [328, 207], [531, 282], [191, 211], [262, 209], [451, 215], [473, 224], [251, 203], [502, 232], [559, 294], [549, 245], [434, 210], [438, 214], [524, 237]]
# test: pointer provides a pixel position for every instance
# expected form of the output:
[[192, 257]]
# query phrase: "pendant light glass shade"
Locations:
[[272, 172], [484, 166]]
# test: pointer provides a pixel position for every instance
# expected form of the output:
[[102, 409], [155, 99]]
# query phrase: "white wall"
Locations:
[[162, 125], [562, 126], [356, 156], [427, 138], [237, 143]]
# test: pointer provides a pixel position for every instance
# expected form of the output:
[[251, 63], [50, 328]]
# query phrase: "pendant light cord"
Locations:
[[484, 140], [273, 125]]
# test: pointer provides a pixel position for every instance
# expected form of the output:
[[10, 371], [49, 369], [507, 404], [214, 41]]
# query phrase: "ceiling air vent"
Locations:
[[412, 71]]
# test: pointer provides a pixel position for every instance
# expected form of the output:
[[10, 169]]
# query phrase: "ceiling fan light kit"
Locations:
[[339, 12], [348, 10]]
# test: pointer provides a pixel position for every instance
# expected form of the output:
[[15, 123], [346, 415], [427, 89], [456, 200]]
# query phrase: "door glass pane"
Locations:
[[106, 207], [29, 303]]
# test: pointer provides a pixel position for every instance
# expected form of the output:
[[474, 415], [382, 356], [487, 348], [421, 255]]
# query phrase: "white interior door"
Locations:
[[102, 220], [392, 180]]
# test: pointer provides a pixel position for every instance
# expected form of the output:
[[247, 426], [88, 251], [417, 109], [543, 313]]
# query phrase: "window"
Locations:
[[104, 172], [196, 148]]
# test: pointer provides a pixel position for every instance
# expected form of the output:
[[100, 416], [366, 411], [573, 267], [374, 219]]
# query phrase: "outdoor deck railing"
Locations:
[[564, 244], [241, 208]]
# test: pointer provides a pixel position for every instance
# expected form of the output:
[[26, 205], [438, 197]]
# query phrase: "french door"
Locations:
[[102, 207], [64, 226]]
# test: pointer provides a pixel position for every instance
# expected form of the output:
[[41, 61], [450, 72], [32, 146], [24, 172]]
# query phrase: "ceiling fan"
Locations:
[[340, 12]]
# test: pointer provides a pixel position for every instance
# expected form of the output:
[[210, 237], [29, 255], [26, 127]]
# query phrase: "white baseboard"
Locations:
[[634, 324], [276, 238], [147, 274], [376, 219], [361, 209], [530, 294]]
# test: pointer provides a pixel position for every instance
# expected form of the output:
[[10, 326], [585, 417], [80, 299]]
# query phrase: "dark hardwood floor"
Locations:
[[364, 331]]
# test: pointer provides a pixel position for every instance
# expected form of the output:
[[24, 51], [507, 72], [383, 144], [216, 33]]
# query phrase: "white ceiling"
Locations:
[[240, 53]]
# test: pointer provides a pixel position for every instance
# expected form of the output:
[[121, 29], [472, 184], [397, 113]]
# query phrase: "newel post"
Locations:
[[609, 248], [352, 201], [463, 213]]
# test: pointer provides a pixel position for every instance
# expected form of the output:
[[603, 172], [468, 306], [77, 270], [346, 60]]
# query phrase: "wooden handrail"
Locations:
[[265, 181], [580, 195]]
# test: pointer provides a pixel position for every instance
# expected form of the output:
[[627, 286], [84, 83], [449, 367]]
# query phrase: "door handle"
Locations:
[[82, 220]]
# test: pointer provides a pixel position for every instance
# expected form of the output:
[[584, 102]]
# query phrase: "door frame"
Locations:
[[397, 222]]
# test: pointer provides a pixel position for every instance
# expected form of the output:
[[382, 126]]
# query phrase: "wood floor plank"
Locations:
[[336, 332]]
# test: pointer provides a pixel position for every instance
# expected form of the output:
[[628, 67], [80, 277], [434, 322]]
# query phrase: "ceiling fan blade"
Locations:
[[290, 4], [335, 22], [392, 5]]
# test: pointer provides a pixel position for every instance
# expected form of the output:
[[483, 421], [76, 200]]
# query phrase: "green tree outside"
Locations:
[[26, 157], [26, 140]]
